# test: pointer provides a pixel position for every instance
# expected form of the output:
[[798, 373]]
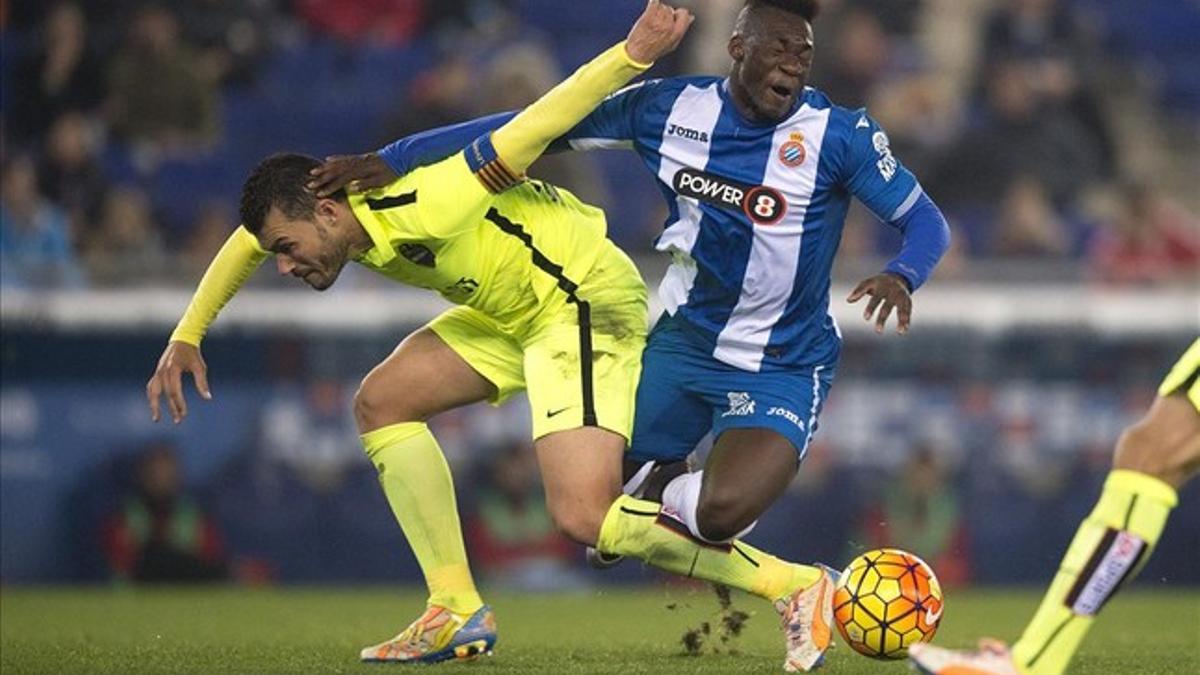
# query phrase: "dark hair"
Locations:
[[808, 9], [279, 181]]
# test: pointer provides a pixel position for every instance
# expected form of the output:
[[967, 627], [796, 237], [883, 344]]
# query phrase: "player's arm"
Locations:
[[610, 125], [893, 194], [380, 168], [456, 193], [234, 263], [523, 139], [434, 145]]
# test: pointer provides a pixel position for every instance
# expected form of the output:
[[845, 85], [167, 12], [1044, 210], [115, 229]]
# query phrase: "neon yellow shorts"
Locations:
[[578, 361], [1185, 376]]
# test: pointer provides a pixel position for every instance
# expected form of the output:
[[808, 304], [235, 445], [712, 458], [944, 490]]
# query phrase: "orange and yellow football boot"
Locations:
[[807, 617], [438, 635]]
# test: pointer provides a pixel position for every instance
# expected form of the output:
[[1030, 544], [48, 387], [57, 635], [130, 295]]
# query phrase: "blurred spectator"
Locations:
[[897, 17], [956, 264], [439, 96], [854, 59], [160, 534], [1027, 226], [1019, 136], [205, 236], [310, 430], [127, 244], [451, 18], [705, 47], [1032, 29], [1049, 43], [160, 97], [920, 512], [70, 173], [385, 23], [60, 76], [35, 238], [231, 36], [920, 114], [465, 85], [1152, 239], [512, 539], [516, 77]]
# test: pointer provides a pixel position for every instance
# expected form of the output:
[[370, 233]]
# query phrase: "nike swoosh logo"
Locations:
[[931, 618], [552, 413]]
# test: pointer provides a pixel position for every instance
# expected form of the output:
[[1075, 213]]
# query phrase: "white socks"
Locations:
[[681, 497]]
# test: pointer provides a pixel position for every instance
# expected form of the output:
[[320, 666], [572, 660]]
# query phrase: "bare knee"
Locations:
[[377, 405], [581, 470], [579, 521], [721, 515], [1164, 444]]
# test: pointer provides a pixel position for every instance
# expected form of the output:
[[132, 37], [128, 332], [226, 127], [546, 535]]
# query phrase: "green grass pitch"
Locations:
[[227, 630]]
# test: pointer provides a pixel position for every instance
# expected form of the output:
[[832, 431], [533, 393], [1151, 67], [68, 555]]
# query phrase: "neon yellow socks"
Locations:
[[1109, 549], [417, 482], [639, 529]]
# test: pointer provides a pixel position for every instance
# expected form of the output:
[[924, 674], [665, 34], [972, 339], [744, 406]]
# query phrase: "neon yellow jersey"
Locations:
[[439, 228], [469, 227], [1185, 376]]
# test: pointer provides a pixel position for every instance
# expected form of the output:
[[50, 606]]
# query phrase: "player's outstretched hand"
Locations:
[[178, 358], [657, 32], [360, 172], [888, 291]]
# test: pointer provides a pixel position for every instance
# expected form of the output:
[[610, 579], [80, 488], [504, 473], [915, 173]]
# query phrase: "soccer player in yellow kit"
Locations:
[[1154, 458], [546, 303]]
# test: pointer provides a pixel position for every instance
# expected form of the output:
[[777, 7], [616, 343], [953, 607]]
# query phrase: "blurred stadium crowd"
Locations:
[[1059, 135], [972, 462]]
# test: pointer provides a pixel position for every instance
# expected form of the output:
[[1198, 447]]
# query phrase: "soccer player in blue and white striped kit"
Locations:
[[758, 170]]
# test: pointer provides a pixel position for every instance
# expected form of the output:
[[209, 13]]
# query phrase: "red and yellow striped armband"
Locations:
[[488, 167]]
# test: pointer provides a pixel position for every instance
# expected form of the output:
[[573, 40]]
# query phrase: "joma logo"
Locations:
[[690, 134]]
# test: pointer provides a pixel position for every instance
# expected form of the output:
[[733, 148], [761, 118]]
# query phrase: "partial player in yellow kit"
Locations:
[[1154, 458], [546, 303], [537, 280]]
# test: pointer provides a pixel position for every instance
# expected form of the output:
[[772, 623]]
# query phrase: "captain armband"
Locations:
[[488, 167]]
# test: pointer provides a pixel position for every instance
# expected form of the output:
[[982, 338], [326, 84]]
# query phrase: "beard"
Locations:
[[321, 280], [329, 266]]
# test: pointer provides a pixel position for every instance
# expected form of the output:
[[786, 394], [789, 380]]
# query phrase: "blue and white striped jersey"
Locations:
[[756, 211]]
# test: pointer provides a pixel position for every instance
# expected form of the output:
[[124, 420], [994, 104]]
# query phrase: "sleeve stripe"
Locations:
[[584, 144], [907, 204], [487, 175], [488, 167], [504, 171]]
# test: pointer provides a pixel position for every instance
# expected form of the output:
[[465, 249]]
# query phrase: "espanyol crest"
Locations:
[[792, 152]]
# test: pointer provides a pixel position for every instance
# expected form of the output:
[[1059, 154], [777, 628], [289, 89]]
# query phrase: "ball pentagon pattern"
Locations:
[[886, 600]]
